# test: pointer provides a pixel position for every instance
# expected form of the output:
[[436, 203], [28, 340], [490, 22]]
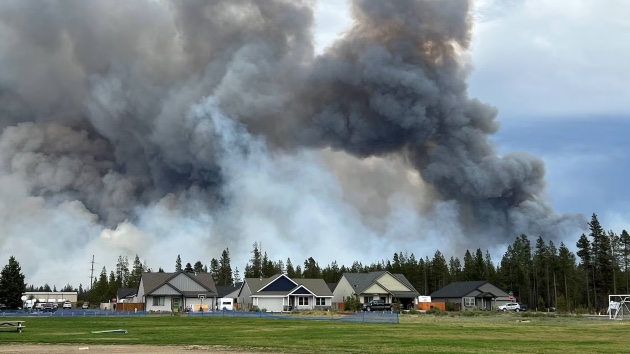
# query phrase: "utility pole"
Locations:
[[92, 273]]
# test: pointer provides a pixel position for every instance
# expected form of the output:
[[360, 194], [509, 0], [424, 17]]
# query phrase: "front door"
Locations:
[[175, 304]]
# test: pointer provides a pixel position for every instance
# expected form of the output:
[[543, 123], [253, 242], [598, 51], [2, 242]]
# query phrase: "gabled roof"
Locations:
[[317, 286], [361, 281], [153, 281], [222, 291], [458, 289], [123, 293]]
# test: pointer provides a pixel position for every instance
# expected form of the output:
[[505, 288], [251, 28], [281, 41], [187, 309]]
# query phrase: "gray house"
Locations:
[[177, 291], [381, 285], [281, 293], [471, 295]]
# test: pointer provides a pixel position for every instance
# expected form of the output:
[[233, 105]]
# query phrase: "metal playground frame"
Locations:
[[618, 307]]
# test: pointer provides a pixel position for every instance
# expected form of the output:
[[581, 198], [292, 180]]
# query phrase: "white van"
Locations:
[[226, 303]]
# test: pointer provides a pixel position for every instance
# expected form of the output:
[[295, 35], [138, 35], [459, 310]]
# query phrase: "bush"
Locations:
[[352, 303], [436, 311], [254, 309], [80, 303], [450, 306]]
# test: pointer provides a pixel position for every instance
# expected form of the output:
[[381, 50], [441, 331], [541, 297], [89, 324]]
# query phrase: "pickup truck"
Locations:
[[376, 305]]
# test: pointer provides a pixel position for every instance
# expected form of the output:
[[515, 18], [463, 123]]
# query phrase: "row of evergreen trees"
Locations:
[[542, 275]]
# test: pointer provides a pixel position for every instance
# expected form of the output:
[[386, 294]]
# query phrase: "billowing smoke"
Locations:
[[185, 127]]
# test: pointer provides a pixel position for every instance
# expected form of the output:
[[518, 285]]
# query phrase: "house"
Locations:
[[177, 291], [281, 293], [227, 296], [469, 295], [381, 285], [126, 294]]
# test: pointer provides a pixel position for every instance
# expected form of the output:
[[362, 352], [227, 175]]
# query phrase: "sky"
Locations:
[[555, 70]]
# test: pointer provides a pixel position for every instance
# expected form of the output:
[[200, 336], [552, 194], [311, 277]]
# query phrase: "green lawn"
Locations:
[[421, 334]]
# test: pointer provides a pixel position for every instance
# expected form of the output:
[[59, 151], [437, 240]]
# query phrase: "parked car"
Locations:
[[510, 306], [522, 307], [67, 305], [85, 306], [39, 306], [48, 307]]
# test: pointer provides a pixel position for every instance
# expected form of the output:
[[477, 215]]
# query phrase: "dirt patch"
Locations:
[[114, 349]]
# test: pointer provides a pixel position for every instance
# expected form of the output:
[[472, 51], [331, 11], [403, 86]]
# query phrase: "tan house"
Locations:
[[383, 285], [177, 291], [280, 293]]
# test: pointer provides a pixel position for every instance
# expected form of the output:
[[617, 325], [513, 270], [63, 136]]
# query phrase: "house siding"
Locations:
[[375, 289], [165, 290], [244, 299], [342, 291], [391, 283], [150, 307], [139, 296], [182, 282]]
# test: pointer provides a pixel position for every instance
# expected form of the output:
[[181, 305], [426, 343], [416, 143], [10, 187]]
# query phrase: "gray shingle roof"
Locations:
[[362, 281], [152, 281], [122, 293], [317, 286], [224, 290], [458, 289]]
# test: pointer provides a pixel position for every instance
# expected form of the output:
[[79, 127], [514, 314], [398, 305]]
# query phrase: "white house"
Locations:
[[281, 293], [381, 285], [177, 291]]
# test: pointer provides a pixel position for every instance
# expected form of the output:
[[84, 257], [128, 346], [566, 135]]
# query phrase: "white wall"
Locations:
[[271, 304]]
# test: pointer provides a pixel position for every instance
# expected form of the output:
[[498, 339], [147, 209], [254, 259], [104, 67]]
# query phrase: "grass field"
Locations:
[[415, 334]]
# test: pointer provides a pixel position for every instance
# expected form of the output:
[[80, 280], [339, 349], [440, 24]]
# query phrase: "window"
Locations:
[[158, 301], [469, 301], [302, 301], [320, 301], [368, 298]]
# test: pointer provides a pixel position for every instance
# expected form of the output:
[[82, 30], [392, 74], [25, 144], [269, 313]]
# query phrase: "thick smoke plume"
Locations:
[[166, 127]]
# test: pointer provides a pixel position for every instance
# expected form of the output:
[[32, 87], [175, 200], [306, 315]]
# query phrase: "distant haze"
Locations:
[[160, 128]]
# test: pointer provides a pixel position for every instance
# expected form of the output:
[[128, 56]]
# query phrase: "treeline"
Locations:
[[538, 272]]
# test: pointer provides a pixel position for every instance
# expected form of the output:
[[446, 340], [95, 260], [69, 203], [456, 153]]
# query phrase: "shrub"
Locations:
[[436, 311], [352, 303], [80, 303], [254, 309], [450, 306]]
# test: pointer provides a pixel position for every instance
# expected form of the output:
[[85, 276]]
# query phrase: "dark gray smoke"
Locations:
[[211, 124]]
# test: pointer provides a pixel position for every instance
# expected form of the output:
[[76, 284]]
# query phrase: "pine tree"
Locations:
[[584, 252], [455, 269], [12, 284], [225, 268], [189, 268], [160, 270], [566, 264], [311, 269], [439, 271], [624, 239], [198, 267], [178, 264], [237, 276], [136, 273], [470, 269], [254, 268], [290, 269]]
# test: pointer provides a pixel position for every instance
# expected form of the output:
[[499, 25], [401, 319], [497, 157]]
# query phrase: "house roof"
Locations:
[[331, 286], [122, 293], [222, 291], [361, 281], [153, 281], [316, 286], [458, 289]]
